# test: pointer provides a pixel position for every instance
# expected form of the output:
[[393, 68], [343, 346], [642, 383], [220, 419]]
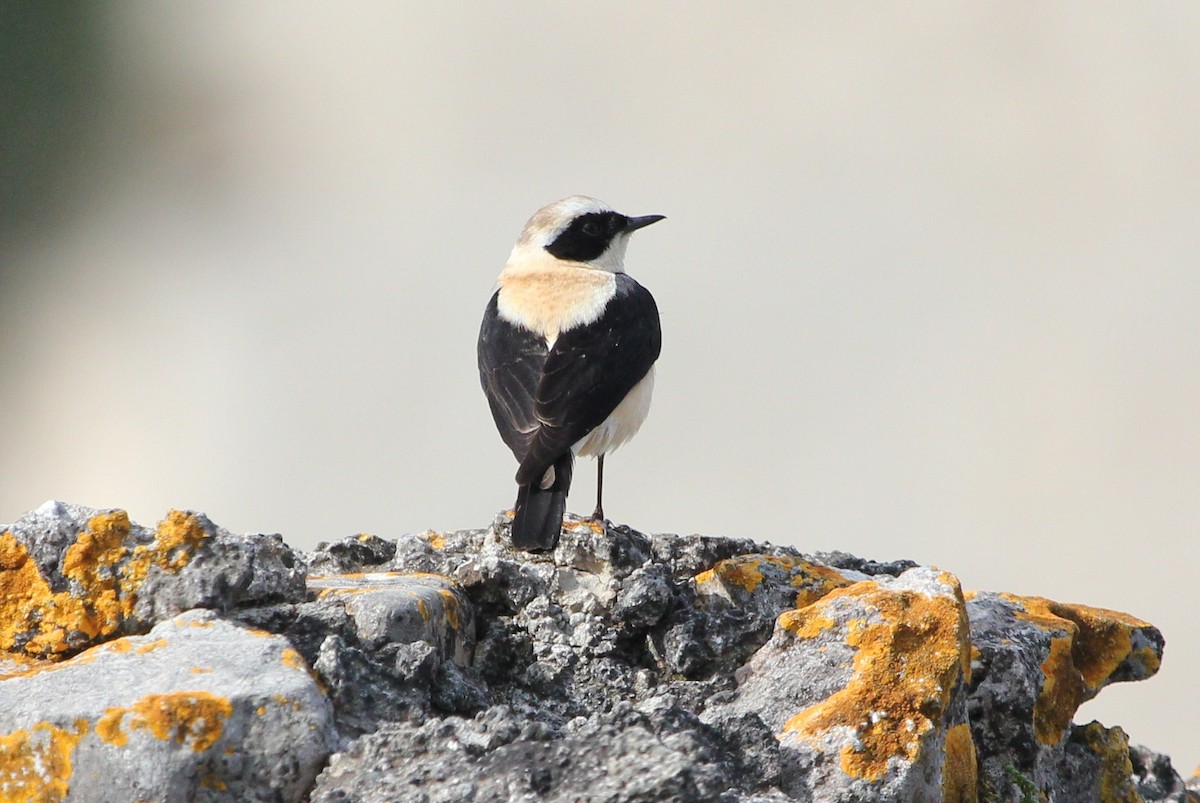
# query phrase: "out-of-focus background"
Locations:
[[930, 283]]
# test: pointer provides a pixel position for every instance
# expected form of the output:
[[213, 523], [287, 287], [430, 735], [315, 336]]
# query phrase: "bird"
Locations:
[[566, 355]]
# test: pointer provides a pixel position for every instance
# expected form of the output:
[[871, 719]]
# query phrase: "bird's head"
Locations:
[[578, 231]]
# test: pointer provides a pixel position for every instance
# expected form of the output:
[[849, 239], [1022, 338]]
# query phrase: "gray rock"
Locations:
[[79, 576], [1035, 662], [395, 607], [654, 752], [621, 666], [198, 709], [866, 691]]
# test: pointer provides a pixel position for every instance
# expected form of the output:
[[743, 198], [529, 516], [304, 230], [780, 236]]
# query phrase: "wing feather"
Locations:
[[588, 372]]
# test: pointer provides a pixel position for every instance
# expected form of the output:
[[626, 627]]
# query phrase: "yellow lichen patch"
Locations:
[[175, 541], [1102, 639], [960, 770], [906, 665], [811, 580], [92, 562], [105, 576], [108, 728], [743, 571], [36, 764], [150, 646], [1111, 746], [450, 605], [423, 609], [293, 659], [192, 718], [201, 670], [805, 622], [1061, 693], [436, 540], [33, 618]]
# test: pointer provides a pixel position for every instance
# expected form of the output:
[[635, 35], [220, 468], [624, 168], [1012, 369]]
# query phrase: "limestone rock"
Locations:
[[619, 667], [865, 688], [395, 607], [198, 709], [1034, 663], [72, 577]]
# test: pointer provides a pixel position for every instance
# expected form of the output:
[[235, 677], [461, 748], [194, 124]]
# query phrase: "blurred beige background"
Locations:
[[930, 283]]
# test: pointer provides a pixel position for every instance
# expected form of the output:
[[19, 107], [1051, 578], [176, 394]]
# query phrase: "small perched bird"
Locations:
[[566, 355]]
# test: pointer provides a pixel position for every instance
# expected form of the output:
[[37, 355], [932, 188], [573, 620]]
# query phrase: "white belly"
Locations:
[[622, 424]]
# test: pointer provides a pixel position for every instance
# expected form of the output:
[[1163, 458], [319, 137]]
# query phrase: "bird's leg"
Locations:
[[598, 513]]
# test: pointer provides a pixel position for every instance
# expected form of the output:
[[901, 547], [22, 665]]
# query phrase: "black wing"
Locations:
[[589, 371], [510, 367]]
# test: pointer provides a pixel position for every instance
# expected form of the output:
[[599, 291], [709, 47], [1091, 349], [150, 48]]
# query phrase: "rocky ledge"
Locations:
[[183, 662]]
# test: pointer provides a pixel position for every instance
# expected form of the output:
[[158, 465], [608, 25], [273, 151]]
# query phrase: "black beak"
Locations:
[[635, 223]]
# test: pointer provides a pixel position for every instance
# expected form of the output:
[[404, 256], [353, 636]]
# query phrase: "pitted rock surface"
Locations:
[[197, 709], [619, 667]]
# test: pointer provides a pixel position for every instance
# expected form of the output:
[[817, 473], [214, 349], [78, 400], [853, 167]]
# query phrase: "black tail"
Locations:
[[537, 522]]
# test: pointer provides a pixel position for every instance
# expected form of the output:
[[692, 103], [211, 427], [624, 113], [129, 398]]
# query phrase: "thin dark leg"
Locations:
[[598, 513]]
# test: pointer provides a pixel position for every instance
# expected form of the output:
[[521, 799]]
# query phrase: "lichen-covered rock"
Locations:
[[72, 577], [198, 709], [865, 689], [398, 607], [1034, 663], [619, 667]]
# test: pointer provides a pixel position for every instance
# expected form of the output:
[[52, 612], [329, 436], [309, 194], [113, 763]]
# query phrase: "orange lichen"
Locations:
[[905, 667], [105, 575], [450, 606], [293, 659], [1087, 646], [1102, 639], [960, 769], [805, 622], [1111, 746], [108, 727], [36, 764], [176, 539], [1061, 693], [437, 540], [192, 718], [33, 618], [747, 572]]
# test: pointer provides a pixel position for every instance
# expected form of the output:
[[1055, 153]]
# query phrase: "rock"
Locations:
[[619, 667], [625, 755], [1156, 778], [395, 607], [198, 709], [1034, 662], [865, 689], [73, 577]]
